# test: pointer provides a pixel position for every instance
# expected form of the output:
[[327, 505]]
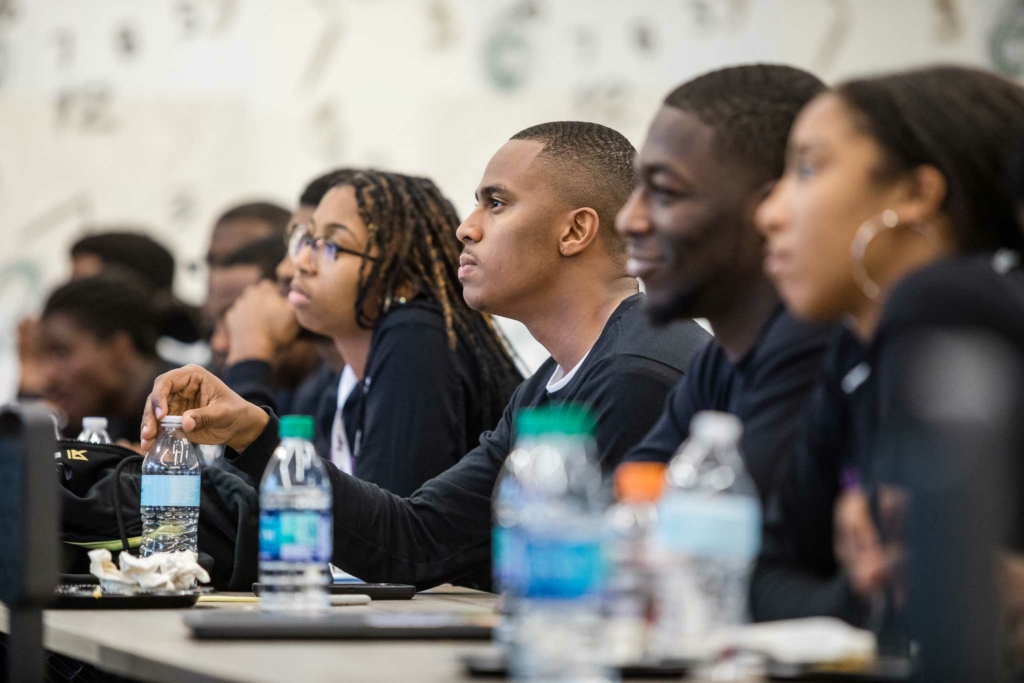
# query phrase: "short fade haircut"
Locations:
[[265, 253], [131, 251], [751, 109], [595, 169], [275, 216], [318, 187]]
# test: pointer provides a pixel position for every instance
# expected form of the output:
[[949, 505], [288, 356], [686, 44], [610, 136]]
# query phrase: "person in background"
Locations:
[[243, 224], [540, 247], [135, 255], [712, 153], [97, 346], [133, 251], [894, 217], [292, 362], [235, 228]]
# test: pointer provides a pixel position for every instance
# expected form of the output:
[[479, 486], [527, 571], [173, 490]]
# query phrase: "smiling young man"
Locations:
[[712, 153], [540, 247]]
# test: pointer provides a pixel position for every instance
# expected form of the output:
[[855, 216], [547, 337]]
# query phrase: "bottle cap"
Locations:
[[567, 418], [716, 426], [94, 423], [171, 422], [640, 481], [298, 426]]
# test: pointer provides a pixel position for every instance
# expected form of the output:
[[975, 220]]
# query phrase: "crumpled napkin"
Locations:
[[161, 571]]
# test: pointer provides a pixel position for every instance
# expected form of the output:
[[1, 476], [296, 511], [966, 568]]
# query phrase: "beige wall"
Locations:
[[162, 113]]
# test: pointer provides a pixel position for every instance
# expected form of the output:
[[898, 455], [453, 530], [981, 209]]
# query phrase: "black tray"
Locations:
[[376, 591], [85, 597], [885, 670]]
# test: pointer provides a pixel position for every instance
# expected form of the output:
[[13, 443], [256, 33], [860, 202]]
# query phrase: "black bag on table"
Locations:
[[101, 497]]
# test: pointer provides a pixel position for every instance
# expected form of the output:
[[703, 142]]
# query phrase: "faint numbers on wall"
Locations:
[[508, 51], [1006, 41], [85, 108]]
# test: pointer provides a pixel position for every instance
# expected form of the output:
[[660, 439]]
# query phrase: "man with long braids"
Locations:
[[540, 247]]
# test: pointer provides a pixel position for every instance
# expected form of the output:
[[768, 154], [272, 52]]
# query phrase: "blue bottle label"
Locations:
[[170, 490], [709, 526], [508, 559], [563, 569], [295, 536]]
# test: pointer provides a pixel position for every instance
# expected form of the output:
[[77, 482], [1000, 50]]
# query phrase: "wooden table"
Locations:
[[155, 645]]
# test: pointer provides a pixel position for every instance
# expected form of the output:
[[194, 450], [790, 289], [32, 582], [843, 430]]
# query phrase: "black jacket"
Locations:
[[441, 533]]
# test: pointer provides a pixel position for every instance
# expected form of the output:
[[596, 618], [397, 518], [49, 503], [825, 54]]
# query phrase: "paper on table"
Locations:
[[817, 640], [161, 571]]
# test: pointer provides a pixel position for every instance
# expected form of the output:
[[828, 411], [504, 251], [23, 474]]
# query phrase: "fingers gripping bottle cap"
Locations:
[[171, 422]]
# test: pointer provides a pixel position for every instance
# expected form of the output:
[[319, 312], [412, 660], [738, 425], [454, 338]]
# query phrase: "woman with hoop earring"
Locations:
[[893, 217]]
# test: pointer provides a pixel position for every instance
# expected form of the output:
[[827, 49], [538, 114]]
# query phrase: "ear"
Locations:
[[580, 231], [925, 192]]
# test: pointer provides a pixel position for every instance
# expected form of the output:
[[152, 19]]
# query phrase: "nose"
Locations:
[[469, 232], [770, 216], [632, 217], [303, 261]]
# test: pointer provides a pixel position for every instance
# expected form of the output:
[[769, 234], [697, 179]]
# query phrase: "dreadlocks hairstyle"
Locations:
[[964, 122], [751, 109], [413, 226], [593, 167]]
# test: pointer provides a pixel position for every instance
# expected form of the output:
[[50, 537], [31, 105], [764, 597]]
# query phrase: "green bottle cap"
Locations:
[[568, 418], [298, 426]]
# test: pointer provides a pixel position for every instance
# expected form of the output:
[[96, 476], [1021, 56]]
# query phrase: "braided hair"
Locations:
[[412, 225]]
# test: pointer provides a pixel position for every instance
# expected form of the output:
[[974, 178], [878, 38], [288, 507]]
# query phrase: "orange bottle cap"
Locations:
[[640, 481]]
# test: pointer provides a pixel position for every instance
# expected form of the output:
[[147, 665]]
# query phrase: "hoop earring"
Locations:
[[868, 231]]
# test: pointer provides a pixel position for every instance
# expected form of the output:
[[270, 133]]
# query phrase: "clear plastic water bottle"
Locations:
[[557, 626], [629, 598], [295, 523], [507, 552], [706, 539], [170, 492], [94, 430]]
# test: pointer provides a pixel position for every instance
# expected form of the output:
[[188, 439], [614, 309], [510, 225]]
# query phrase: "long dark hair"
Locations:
[[965, 122], [412, 225]]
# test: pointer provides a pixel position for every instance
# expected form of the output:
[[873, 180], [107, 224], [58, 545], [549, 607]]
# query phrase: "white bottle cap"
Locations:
[[171, 422], [716, 426], [94, 423]]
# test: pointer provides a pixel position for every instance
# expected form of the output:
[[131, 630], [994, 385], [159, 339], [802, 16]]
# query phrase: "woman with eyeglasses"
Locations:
[[375, 269], [894, 218]]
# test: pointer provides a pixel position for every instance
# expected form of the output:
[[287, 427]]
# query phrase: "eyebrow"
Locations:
[[645, 171], [803, 148], [330, 227], [491, 190]]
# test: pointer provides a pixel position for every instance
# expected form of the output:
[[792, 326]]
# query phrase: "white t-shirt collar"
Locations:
[[559, 378]]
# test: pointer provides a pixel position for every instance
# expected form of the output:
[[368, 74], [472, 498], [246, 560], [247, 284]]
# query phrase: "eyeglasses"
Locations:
[[324, 251]]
